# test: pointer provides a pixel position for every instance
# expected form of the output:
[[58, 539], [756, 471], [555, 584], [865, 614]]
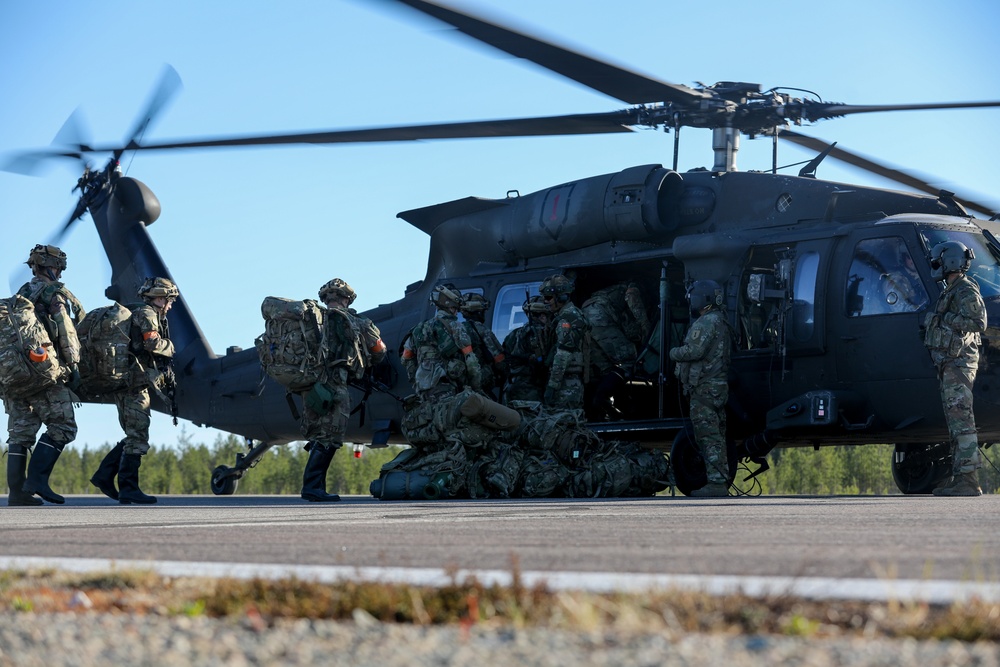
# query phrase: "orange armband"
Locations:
[[498, 359], [467, 350], [378, 347], [408, 353], [150, 335]]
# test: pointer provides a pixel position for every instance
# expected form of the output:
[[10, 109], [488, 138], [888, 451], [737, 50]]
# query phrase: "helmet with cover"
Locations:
[[446, 296], [153, 288], [534, 306], [337, 287], [475, 303], [558, 287], [47, 256]]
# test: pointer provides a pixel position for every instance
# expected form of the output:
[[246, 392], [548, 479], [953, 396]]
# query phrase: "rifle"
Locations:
[[367, 384]]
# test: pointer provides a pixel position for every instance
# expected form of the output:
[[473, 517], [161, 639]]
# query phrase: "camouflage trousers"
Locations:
[[708, 418], [569, 395], [52, 407], [327, 429], [956, 399], [133, 416], [522, 389]]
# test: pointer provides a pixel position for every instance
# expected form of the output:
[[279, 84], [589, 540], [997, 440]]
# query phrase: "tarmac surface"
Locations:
[[836, 546]]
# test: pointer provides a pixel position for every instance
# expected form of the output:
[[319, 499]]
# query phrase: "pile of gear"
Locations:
[[468, 446]]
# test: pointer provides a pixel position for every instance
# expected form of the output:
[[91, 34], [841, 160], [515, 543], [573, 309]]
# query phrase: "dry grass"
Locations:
[[468, 602]]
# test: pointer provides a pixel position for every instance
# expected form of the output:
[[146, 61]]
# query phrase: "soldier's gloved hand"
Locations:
[[550, 396], [74, 379]]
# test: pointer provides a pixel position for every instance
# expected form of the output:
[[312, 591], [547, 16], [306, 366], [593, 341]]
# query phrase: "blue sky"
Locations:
[[241, 224]]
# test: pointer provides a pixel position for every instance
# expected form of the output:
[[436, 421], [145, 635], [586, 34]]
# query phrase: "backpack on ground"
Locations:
[[28, 362], [104, 350], [292, 349]]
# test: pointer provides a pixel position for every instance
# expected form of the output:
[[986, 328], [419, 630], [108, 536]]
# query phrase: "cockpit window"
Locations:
[[883, 279], [985, 267]]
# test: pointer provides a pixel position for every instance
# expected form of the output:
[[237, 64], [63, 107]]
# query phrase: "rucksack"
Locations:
[[292, 349], [28, 362], [104, 349]]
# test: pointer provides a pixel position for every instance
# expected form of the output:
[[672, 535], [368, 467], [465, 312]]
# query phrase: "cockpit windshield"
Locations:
[[985, 267]]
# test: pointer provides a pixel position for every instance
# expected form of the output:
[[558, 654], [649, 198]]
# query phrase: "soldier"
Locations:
[[953, 339], [569, 369], [703, 367], [619, 329], [488, 349], [526, 349], [438, 355], [152, 354], [60, 312], [327, 406]]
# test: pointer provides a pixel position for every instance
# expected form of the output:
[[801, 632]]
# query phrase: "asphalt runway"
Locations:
[[849, 542]]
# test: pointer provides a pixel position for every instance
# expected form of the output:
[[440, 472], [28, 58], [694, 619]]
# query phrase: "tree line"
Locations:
[[186, 468]]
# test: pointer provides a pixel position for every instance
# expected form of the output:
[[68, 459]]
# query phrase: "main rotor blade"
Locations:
[[597, 123], [819, 111], [626, 85], [165, 90], [32, 163], [890, 173]]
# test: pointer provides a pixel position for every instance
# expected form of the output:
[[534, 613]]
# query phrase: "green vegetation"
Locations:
[[186, 469], [468, 602]]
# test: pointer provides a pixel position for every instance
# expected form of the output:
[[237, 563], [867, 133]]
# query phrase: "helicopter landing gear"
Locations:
[[920, 468], [689, 466], [226, 479]]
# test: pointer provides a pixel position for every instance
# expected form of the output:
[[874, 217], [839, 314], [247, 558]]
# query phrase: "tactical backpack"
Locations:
[[104, 349], [28, 362], [292, 348]]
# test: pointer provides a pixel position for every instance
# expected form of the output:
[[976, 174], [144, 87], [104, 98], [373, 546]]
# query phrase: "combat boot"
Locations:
[[43, 459], [314, 477], [711, 490], [128, 482], [104, 478], [17, 461], [962, 484]]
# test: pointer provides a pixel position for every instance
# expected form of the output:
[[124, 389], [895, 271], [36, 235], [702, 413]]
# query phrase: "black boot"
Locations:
[[17, 461], [104, 478], [314, 477], [128, 482], [43, 459]]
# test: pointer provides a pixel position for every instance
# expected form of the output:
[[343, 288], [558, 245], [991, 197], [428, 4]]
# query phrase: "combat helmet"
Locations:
[[534, 305], [339, 288], [153, 288], [704, 293], [950, 257], [475, 303], [47, 256], [446, 296], [558, 286]]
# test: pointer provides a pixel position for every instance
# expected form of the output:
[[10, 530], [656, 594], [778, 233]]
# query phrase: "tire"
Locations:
[[919, 468], [223, 483], [689, 466]]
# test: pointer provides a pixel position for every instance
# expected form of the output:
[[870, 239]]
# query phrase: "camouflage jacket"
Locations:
[[954, 326], [438, 352], [60, 312], [572, 344], [619, 306], [343, 339], [704, 356], [150, 345], [526, 349], [371, 339], [489, 352]]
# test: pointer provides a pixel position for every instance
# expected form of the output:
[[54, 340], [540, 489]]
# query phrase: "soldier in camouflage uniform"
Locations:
[[438, 354], [152, 354], [569, 369], [527, 349], [619, 329], [703, 367], [488, 349], [60, 312], [953, 339], [327, 405]]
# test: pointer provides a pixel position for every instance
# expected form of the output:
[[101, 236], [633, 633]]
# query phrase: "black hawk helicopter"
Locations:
[[821, 279]]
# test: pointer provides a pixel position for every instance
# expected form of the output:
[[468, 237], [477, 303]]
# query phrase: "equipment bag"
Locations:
[[104, 349], [292, 349], [28, 362]]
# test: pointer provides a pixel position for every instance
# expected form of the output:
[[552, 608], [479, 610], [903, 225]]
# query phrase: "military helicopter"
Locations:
[[804, 262]]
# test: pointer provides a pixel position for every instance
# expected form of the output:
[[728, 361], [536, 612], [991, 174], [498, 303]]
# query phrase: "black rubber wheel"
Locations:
[[920, 468], [224, 484]]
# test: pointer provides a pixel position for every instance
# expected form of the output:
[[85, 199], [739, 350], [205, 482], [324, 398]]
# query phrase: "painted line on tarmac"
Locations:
[[934, 591]]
